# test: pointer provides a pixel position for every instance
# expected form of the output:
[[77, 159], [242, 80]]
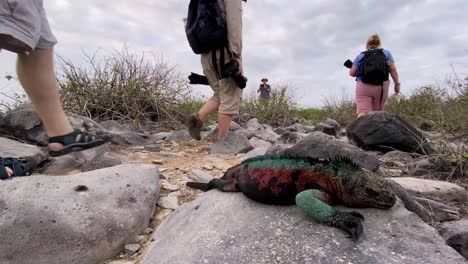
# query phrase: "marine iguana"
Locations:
[[311, 184]]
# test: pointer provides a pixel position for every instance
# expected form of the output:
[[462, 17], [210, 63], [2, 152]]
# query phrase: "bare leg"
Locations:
[[210, 107], [37, 76], [224, 122]]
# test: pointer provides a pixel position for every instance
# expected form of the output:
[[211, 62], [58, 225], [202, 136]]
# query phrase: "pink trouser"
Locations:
[[370, 98]]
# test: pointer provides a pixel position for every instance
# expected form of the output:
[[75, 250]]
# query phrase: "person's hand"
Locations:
[[397, 88], [241, 70]]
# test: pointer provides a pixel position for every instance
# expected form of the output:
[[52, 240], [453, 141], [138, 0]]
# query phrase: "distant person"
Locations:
[[24, 29], [221, 60], [264, 89], [371, 69]]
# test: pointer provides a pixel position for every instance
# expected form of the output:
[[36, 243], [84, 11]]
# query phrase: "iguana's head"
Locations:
[[373, 191]]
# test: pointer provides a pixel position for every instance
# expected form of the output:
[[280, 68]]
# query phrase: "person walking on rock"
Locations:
[[371, 69], [264, 89], [227, 95], [24, 29]]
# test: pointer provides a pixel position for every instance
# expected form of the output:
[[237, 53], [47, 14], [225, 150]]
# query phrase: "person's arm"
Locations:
[[234, 26], [269, 88], [394, 74], [354, 69]]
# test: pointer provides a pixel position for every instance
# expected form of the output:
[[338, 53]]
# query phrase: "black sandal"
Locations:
[[19, 166], [71, 142]]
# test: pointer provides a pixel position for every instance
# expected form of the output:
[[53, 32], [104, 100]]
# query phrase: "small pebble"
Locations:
[[158, 162], [132, 248]]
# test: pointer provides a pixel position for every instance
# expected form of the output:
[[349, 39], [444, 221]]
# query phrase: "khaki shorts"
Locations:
[[26, 21], [226, 92]]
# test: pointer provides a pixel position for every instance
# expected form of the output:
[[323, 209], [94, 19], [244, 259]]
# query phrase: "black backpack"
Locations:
[[373, 67], [206, 27]]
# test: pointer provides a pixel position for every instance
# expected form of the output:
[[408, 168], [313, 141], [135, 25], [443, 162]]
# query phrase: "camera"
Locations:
[[348, 64], [231, 70]]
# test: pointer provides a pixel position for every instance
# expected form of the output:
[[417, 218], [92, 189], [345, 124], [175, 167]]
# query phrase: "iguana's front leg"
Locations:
[[314, 203]]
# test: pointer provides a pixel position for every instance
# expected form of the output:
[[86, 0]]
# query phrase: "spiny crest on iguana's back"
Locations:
[[339, 166]]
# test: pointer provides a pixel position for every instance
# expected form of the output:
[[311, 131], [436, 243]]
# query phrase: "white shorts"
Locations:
[[26, 21]]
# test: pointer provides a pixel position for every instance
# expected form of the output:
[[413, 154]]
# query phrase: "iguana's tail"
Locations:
[[201, 186], [220, 184]]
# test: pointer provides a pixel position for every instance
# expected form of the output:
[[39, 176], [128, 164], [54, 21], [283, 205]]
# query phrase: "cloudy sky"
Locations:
[[302, 42]]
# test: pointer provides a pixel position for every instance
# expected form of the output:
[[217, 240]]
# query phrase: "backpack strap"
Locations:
[[221, 60], [215, 63]]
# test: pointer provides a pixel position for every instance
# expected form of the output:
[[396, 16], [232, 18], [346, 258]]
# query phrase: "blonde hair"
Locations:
[[373, 42]]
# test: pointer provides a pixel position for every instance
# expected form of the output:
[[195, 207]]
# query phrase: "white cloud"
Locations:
[[303, 42]]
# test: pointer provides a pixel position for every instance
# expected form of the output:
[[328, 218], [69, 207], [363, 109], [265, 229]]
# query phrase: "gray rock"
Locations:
[[121, 135], [229, 228], [321, 146], [160, 136], [440, 212], [179, 136], [232, 144], [245, 133], [456, 235], [435, 190], [14, 149], [254, 153], [254, 126], [278, 148], [83, 218], [267, 134], [399, 156], [106, 160], [200, 176], [333, 123], [326, 129], [299, 128], [234, 126], [170, 202], [384, 131], [435, 166], [279, 131], [169, 187], [121, 262], [62, 165], [153, 148], [91, 154], [24, 123], [259, 143], [290, 137], [132, 248]]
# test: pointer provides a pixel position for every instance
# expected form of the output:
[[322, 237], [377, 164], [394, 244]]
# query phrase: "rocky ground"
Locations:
[[162, 199]]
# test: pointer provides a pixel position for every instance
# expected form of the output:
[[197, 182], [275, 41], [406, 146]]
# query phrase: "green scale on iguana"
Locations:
[[313, 185]]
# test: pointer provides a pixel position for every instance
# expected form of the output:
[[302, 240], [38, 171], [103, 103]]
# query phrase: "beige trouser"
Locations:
[[27, 22], [226, 91]]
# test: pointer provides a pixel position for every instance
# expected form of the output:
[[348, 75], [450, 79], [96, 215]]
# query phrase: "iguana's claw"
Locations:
[[350, 222]]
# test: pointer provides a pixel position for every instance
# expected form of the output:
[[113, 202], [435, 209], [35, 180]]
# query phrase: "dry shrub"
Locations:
[[279, 110], [341, 108], [124, 86]]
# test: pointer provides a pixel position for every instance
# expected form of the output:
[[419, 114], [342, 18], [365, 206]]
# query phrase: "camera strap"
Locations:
[[221, 60]]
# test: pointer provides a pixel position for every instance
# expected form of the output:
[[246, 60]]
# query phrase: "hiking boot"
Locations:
[[194, 127]]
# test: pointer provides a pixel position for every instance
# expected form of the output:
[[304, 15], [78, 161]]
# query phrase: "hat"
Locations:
[[264, 79]]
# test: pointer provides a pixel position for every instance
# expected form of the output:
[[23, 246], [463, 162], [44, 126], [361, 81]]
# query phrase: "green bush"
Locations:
[[280, 110], [434, 106], [309, 116]]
